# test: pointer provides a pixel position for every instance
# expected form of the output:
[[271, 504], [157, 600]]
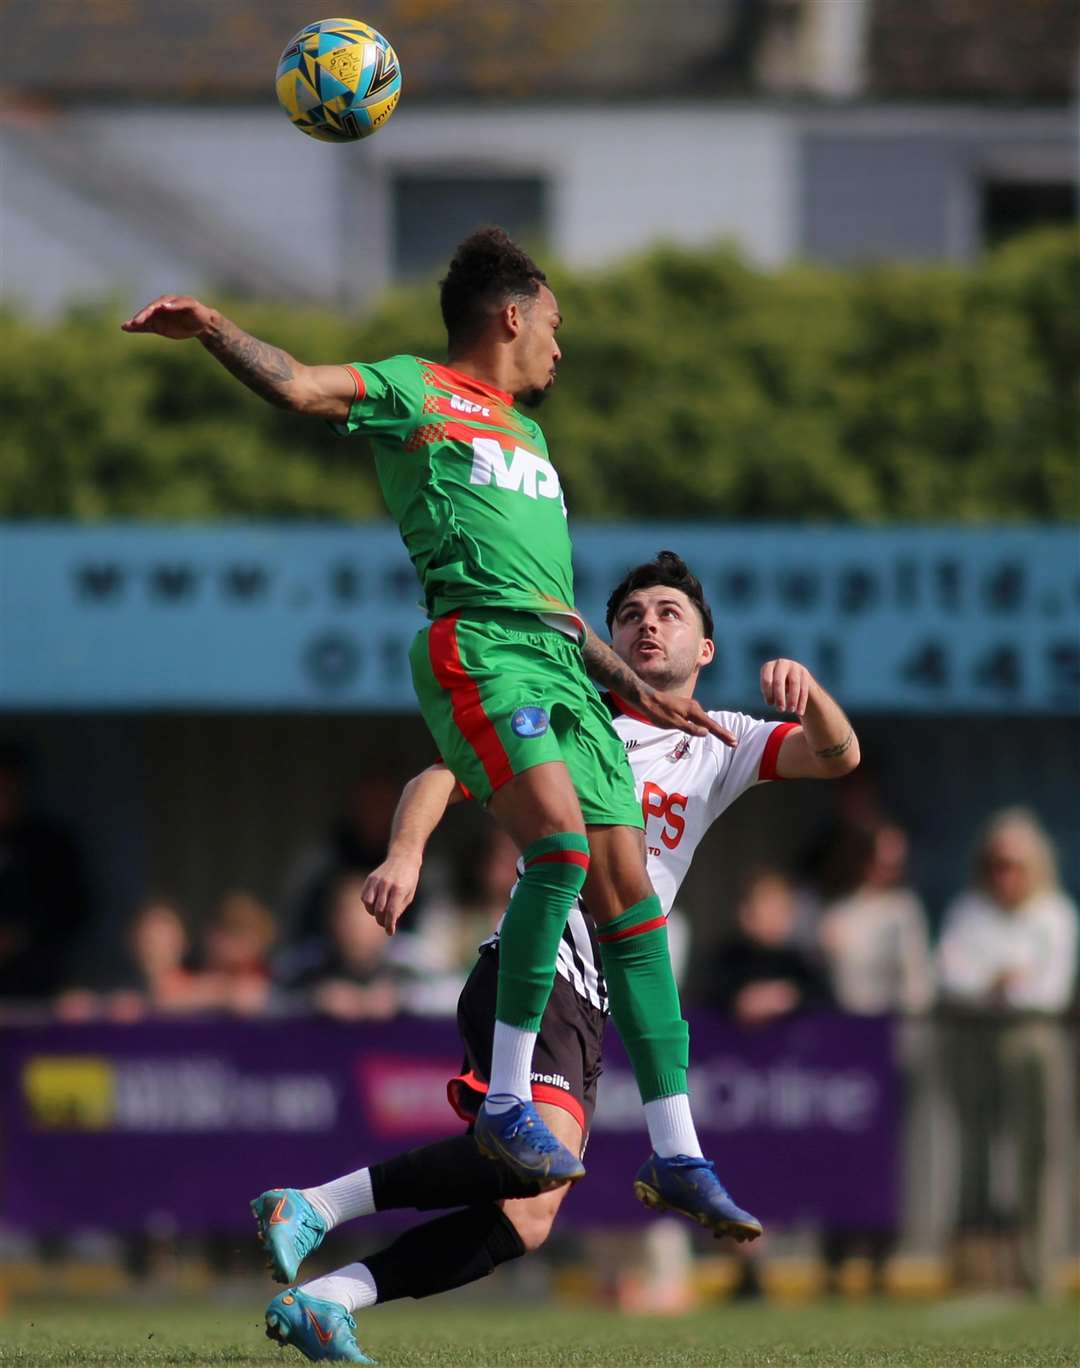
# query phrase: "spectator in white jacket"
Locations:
[[1010, 940], [1008, 952], [875, 939]]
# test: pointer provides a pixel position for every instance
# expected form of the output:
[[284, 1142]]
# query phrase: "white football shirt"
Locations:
[[684, 783]]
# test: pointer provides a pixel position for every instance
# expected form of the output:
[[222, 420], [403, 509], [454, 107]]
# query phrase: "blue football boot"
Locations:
[[289, 1229], [321, 1330], [691, 1186], [519, 1139]]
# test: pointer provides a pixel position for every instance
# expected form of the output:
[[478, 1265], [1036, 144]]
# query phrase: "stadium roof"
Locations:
[[170, 50]]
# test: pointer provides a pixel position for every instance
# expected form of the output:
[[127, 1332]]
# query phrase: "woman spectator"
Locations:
[[1009, 941], [1008, 958], [877, 946], [875, 939]]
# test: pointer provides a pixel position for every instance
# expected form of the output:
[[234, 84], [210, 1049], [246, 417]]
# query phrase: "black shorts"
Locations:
[[566, 1062]]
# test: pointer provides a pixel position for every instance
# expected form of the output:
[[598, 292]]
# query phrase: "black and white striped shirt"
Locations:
[[684, 783]]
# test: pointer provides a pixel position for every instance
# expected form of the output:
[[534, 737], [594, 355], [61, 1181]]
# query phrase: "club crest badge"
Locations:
[[529, 722]]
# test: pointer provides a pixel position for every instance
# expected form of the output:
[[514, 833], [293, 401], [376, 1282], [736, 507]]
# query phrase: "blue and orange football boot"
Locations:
[[321, 1330], [519, 1139], [690, 1186], [289, 1229]]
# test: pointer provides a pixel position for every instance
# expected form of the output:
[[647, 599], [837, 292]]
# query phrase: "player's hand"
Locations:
[[389, 890], [786, 685], [669, 710], [177, 316]]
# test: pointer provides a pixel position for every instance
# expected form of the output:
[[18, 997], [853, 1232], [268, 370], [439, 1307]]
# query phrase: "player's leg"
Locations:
[[539, 809], [449, 1173], [482, 681], [644, 999], [293, 1222], [642, 992], [464, 1245], [452, 1250]]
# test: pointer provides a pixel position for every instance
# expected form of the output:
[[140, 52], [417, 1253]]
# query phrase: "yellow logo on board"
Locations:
[[70, 1092]]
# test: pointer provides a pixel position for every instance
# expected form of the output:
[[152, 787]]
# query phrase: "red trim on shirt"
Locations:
[[358, 381], [456, 380], [771, 753], [466, 432], [625, 707], [465, 701]]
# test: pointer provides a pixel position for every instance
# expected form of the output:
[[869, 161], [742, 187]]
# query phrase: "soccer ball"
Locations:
[[338, 80]]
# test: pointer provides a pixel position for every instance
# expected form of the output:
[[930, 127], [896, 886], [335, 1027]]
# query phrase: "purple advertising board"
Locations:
[[181, 1123]]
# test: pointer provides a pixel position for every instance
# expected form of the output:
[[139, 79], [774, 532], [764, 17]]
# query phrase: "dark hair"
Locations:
[[667, 569], [488, 269]]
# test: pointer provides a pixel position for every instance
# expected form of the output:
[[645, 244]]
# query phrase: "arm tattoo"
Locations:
[[266, 370], [831, 752], [605, 667]]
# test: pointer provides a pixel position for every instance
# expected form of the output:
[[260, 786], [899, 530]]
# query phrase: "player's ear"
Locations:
[[512, 317], [706, 652]]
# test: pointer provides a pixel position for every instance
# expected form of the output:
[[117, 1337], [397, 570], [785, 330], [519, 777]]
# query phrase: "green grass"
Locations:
[[972, 1333]]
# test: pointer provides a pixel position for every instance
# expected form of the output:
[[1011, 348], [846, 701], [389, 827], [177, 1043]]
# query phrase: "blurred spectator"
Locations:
[[439, 948], [1008, 952], [237, 955], [156, 978], [347, 973], [1009, 941], [159, 947], [43, 896], [356, 843], [875, 939], [760, 974], [877, 947]]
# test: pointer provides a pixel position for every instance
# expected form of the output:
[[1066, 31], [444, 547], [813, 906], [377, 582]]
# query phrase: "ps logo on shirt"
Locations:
[[669, 807]]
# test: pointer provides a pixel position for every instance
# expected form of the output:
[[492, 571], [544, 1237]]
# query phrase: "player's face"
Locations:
[[658, 632], [538, 351]]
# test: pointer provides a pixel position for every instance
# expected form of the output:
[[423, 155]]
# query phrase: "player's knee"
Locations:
[[532, 1219]]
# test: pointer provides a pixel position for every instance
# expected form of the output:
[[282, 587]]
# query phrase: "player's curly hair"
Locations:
[[487, 271], [670, 570]]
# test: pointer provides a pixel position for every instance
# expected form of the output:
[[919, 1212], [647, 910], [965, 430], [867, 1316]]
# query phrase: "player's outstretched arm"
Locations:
[[661, 708], [274, 375], [389, 889], [824, 746]]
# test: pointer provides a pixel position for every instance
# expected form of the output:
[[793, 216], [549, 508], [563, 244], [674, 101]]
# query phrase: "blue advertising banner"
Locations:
[[929, 619], [181, 1123]]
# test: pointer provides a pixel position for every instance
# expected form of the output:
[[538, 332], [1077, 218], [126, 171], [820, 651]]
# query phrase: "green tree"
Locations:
[[694, 386]]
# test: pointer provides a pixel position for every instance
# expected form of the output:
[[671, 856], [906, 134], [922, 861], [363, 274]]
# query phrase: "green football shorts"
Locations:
[[500, 692]]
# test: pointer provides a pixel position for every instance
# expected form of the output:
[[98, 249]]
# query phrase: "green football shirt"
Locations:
[[468, 481]]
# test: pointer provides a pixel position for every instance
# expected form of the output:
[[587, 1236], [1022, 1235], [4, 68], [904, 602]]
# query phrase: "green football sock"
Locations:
[[644, 999], [555, 869]]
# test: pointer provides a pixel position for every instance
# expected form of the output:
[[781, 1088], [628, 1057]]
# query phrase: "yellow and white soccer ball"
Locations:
[[338, 80]]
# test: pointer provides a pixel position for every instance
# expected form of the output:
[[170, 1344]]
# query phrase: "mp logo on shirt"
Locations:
[[523, 471], [467, 406], [529, 722]]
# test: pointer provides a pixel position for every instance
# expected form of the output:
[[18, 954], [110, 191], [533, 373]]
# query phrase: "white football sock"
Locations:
[[343, 1199], [511, 1064], [352, 1286], [671, 1127]]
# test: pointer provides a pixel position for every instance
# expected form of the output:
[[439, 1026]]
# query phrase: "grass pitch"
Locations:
[[972, 1333]]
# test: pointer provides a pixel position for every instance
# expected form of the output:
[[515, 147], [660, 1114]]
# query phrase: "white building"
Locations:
[[819, 159]]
